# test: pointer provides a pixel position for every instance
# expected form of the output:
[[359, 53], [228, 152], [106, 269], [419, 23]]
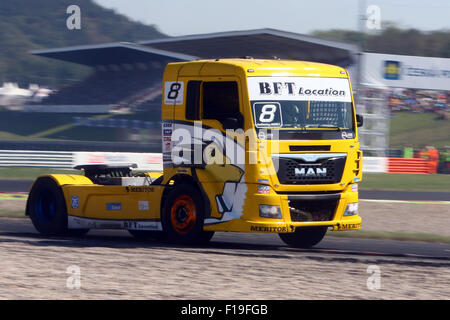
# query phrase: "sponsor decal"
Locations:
[[143, 205], [75, 202], [347, 135], [349, 226], [311, 172], [116, 206], [354, 188], [139, 189], [77, 223], [263, 189], [263, 180], [391, 70], [268, 229], [299, 88], [167, 132]]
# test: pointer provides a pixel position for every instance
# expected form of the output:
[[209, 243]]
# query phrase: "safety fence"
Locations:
[[153, 161], [411, 165], [32, 158], [67, 160]]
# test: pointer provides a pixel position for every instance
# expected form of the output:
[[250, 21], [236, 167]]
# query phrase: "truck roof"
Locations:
[[255, 67]]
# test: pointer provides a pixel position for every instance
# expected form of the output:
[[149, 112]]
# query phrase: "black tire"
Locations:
[[183, 216], [47, 208], [143, 235], [305, 237]]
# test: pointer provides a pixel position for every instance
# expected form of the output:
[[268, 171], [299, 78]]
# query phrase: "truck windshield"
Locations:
[[303, 114], [307, 103]]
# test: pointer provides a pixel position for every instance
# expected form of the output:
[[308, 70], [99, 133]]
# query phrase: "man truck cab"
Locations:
[[248, 145]]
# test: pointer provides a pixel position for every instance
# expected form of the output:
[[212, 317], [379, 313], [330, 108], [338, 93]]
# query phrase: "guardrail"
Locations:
[[153, 161], [31, 158], [67, 160]]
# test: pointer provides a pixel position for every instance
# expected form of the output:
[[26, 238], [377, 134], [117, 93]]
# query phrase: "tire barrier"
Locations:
[[410, 165]]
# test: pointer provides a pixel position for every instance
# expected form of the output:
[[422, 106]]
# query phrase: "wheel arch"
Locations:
[[60, 180], [188, 180]]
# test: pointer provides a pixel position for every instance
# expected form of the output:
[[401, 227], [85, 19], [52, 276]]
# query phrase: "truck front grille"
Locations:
[[324, 170]]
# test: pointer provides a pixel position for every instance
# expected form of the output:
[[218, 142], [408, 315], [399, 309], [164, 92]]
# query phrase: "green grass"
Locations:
[[393, 181], [12, 214], [388, 235], [31, 173], [418, 130]]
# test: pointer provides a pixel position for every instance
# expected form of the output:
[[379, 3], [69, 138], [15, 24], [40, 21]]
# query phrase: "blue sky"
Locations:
[[183, 17]]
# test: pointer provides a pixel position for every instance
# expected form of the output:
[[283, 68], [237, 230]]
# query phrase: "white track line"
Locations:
[[406, 201]]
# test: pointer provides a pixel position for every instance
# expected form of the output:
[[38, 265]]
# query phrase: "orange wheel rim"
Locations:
[[183, 214]]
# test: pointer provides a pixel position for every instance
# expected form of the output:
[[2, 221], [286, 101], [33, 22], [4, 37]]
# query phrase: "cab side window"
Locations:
[[220, 100], [193, 100]]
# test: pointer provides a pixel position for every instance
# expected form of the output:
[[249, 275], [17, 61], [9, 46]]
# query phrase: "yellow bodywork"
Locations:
[[96, 201]]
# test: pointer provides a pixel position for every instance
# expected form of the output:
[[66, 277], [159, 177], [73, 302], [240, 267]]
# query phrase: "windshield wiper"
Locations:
[[324, 126]]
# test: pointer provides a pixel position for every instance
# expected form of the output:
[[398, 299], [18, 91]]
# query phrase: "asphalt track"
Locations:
[[24, 186], [23, 230]]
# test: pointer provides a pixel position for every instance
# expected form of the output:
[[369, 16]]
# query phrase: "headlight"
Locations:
[[266, 211], [351, 210]]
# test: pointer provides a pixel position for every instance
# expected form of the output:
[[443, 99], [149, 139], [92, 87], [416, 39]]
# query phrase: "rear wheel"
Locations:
[[47, 209], [304, 237], [183, 216]]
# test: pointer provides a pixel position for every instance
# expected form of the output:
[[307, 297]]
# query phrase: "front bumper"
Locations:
[[316, 203]]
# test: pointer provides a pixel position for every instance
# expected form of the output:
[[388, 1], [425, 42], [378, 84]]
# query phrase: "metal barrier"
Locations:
[[31, 158], [69, 159], [153, 161]]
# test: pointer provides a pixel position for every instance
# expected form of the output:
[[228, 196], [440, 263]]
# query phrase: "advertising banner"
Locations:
[[388, 70]]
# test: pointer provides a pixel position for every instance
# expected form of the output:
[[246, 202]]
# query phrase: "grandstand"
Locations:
[[121, 98], [128, 75]]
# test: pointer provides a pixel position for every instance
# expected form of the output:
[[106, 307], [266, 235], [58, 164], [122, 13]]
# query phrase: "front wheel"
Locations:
[[183, 216], [305, 237]]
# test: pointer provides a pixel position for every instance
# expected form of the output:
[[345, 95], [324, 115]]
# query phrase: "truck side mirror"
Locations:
[[359, 120], [231, 123]]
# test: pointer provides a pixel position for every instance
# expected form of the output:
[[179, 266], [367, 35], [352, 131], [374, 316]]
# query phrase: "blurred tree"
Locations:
[[394, 40]]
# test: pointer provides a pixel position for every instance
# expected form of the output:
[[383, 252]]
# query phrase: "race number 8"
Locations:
[[267, 113], [174, 90]]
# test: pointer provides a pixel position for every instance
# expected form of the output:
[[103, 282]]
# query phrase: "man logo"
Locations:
[[392, 70], [311, 172]]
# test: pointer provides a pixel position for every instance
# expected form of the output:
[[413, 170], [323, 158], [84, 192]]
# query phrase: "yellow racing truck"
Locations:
[[248, 145]]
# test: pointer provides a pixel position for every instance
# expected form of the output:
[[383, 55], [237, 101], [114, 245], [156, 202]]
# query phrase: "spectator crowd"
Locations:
[[419, 101], [438, 159]]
